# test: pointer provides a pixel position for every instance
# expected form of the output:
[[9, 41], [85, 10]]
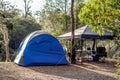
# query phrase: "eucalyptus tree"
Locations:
[[55, 16], [21, 28], [73, 60], [27, 7], [6, 15], [101, 14]]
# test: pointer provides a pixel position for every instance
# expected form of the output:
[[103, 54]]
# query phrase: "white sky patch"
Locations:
[[35, 5]]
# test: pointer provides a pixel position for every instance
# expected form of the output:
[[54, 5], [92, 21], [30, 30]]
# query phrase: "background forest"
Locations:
[[55, 18]]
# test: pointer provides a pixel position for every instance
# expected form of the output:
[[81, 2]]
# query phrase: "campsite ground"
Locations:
[[85, 71]]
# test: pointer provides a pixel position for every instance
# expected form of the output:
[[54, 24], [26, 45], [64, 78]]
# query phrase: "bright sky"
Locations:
[[35, 5]]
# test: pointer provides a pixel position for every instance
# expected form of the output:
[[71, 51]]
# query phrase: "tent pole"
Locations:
[[93, 47], [81, 48]]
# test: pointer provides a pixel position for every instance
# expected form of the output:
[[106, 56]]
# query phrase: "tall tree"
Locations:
[[6, 14], [27, 8], [73, 60], [55, 17], [65, 13], [101, 14], [22, 27], [4, 31]]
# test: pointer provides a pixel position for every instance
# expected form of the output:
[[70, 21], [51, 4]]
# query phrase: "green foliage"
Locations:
[[100, 14], [54, 17], [118, 72], [78, 6], [115, 49], [59, 5], [118, 65], [21, 28], [9, 25], [7, 13], [18, 27], [61, 18]]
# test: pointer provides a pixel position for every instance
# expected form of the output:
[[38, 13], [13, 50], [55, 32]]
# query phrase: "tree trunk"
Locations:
[[93, 46], [6, 42], [65, 14], [73, 60], [25, 8], [81, 48], [7, 52]]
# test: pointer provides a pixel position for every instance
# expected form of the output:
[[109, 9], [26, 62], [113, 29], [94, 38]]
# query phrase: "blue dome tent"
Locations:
[[40, 48]]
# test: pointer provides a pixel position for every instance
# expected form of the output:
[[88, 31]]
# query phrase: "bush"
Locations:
[[21, 28], [118, 66]]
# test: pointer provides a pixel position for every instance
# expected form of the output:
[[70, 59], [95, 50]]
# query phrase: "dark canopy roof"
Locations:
[[86, 32]]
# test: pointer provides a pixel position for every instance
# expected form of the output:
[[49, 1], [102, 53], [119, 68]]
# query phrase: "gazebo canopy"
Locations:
[[86, 32]]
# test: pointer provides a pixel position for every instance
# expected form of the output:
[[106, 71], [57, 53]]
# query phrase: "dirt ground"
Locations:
[[85, 71]]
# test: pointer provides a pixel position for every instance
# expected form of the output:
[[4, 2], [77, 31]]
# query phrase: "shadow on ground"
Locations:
[[79, 72], [86, 71]]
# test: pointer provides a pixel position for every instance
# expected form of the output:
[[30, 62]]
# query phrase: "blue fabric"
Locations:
[[44, 50]]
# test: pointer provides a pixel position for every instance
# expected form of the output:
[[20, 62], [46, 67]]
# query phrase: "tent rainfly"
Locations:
[[40, 48], [86, 32]]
